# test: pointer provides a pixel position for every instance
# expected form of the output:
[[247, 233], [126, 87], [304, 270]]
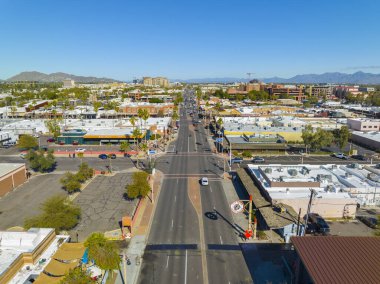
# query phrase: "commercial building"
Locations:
[[293, 184], [131, 109], [285, 91], [68, 83], [363, 124], [334, 259], [11, 176], [24, 254], [156, 81], [256, 143], [320, 90], [369, 140]]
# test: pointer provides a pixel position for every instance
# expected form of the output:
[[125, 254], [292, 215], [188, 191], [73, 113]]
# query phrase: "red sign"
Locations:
[[248, 234]]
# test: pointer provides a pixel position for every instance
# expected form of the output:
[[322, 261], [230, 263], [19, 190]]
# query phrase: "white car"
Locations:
[[23, 155], [80, 150], [340, 156], [204, 181]]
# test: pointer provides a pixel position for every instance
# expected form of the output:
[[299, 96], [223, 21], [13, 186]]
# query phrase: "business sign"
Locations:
[[237, 206], [152, 152]]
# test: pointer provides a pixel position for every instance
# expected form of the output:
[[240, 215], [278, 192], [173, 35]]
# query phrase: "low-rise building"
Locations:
[[11, 176], [363, 124], [369, 140]]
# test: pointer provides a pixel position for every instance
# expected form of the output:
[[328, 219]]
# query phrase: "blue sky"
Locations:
[[186, 39]]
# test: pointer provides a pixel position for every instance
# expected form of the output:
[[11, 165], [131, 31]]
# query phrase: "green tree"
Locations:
[[77, 276], [57, 213], [53, 127], [70, 182], [27, 142], [341, 136], [307, 136], [175, 116], [139, 187], [321, 138], [102, 251], [41, 161], [124, 146]]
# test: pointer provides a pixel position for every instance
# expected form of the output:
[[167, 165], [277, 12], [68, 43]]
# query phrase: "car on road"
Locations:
[[369, 221], [340, 156], [359, 157], [23, 155], [258, 160], [103, 156], [236, 160], [204, 181], [112, 156], [50, 140], [80, 150], [317, 225]]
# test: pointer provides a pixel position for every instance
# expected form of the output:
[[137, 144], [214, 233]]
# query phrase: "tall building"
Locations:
[[156, 81], [68, 83]]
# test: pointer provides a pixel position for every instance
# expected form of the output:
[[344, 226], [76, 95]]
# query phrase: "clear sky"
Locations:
[[185, 39]]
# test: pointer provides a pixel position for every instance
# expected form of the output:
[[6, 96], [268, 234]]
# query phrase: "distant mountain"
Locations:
[[336, 77], [56, 77]]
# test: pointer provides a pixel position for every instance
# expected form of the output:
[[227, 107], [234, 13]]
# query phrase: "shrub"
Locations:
[[247, 154]]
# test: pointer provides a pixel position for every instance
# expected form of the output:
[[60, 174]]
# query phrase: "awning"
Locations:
[[46, 279], [57, 268], [70, 251]]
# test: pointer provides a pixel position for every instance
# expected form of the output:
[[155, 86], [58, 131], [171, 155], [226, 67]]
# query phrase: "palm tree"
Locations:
[[133, 120], [220, 123], [104, 253], [145, 117], [136, 133]]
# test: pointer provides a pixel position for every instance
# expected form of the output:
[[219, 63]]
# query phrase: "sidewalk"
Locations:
[[140, 233]]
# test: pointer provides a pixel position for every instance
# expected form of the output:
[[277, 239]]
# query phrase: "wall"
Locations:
[[12, 179]]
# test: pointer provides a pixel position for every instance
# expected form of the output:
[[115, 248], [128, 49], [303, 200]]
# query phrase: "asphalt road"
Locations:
[[174, 250]]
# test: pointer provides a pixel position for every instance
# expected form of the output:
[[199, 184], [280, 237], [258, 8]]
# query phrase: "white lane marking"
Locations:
[[210, 188], [172, 223], [167, 262], [177, 181], [188, 144], [186, 268], [221, 241], [175, 198]]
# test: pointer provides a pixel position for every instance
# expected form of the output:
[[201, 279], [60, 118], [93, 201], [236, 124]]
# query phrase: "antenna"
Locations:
[[249, 75]]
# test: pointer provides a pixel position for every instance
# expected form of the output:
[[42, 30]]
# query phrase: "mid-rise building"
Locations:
[[156, 81], [68, 83], [363, 124]]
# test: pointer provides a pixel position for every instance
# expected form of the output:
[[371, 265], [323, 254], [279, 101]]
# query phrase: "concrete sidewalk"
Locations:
[[140, 233]]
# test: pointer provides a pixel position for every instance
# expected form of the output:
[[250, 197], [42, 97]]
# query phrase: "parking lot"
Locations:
[[25, 201], [103, 205], [353, 228]]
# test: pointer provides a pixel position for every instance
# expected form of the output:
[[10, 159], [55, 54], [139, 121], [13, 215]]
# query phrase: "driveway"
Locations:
[[103, 205], [25, 201]]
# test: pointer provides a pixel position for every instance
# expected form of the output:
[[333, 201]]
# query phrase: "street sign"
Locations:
[[237, 206], [152, 152]]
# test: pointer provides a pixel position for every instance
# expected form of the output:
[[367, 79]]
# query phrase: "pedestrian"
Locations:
[[69, 155], [73, 155]]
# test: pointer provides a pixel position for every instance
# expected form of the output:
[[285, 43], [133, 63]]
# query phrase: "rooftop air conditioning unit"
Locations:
[[292, 172]]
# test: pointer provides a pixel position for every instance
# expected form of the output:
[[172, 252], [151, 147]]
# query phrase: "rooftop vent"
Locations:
[[292, 172]]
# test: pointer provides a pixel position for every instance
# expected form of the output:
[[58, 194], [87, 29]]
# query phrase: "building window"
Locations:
[[370, 126], [364, 126]]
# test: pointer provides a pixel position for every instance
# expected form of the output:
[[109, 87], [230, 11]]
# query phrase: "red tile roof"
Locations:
[[340, 259]]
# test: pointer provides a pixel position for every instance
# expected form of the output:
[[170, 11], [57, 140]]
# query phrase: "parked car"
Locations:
[[359, 157], [371, 222], [112, 156], [75, 142], [317, 224], [236, 160], [340, 156], [9, 144], [80, 150], [103, 156], [61, 143], [204, 181], [50, 140], [258, 160], [23, 155]]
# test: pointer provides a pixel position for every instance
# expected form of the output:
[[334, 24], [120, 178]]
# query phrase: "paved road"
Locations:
[[174, 251]]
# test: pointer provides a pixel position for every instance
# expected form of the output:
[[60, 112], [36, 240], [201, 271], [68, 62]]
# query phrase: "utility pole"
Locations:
[[312, 193], [125, 268]]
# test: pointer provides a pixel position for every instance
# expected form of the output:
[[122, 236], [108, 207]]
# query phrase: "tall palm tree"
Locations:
[[133, 120], [145, 117]]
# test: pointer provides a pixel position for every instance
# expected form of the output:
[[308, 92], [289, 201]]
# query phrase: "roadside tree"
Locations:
[[77, 276], [27, 142], [341, 136]]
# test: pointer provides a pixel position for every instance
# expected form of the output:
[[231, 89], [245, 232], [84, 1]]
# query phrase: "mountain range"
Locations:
[[335, 77], [56, 77], [332, 78]]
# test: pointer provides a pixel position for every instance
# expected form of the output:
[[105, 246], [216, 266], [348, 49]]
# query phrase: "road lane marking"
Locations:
[[177, 181], [167, 262], [175, 198], [210, 188], [186, 268], [221, 241], [172, 223]]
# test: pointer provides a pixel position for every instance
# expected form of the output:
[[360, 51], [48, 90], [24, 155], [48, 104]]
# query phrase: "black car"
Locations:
[[371, 222], [103, 156], [317, 225], [359, 157], [112, 156]]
